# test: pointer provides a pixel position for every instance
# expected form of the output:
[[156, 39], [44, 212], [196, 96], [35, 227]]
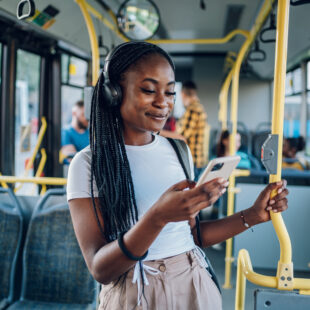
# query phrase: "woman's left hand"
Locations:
[[264, 203]]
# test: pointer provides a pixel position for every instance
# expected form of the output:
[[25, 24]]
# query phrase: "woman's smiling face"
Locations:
[[148, 97]]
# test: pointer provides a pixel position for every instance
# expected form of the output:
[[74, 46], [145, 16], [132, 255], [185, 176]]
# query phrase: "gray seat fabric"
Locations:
[[55, 275], [11, 230]]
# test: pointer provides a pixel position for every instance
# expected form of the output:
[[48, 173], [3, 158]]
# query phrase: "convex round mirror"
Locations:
[[138, 19]]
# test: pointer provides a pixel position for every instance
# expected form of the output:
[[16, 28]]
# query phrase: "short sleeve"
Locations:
[[79, 175], [65, 137]]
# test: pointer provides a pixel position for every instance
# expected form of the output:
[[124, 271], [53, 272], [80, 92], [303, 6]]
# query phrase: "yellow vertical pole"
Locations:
[[232, 151], [264, 12], [223, 100], [285, 265], [240, 287], [93, 40]]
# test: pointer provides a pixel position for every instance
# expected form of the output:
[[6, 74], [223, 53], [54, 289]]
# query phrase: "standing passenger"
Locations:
[[132, 209], [192, 126]]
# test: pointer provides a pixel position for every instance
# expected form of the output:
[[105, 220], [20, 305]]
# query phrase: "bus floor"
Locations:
[[217, 258]]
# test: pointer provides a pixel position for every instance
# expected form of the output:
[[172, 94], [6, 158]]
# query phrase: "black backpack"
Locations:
[[181, 150]]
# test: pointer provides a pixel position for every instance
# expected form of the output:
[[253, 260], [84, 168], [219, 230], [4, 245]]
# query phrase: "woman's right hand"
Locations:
[[183, 201]]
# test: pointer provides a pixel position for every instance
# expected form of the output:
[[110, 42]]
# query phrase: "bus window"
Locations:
[[69, 95], [26, 110], [73, 79], [292, 103], [77, 72]]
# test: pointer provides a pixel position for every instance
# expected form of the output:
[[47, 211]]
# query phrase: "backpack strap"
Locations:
[[180, 148]]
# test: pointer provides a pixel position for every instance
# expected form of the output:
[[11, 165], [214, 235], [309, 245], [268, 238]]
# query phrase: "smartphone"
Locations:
[[220, 167]]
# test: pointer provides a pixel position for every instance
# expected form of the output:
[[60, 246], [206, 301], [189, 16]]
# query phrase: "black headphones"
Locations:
[[112, 92]]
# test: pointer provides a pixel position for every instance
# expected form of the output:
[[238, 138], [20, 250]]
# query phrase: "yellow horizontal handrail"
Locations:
[[245, 271], [112, 27], [241, 173], [223, 40], [3, 184], [35, 180]]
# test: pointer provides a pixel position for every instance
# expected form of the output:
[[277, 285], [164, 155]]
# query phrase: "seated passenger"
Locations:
[[222, 149], [291, 146], [75, 137]]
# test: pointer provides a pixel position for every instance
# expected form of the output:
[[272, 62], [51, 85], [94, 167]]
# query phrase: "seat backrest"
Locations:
[[11, 235], [53, 266]]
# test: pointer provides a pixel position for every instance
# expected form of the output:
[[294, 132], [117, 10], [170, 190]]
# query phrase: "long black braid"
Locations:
[[110, 166]]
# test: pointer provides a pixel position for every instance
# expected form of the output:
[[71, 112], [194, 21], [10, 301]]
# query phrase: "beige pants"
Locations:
[[181, 284]]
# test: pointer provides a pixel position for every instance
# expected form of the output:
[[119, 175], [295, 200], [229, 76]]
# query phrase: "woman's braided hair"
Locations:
[[110, 166]]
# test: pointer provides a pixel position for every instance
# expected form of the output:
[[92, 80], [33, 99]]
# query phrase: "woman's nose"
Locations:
[[161, 101]]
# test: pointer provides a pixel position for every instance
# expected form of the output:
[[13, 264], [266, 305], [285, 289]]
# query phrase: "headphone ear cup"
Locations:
[[112, 94], [117, 94]]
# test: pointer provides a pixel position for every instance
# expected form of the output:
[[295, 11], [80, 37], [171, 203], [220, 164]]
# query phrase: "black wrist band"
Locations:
[[125, 251]]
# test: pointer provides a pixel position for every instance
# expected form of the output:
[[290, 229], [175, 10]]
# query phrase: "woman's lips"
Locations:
[[160, 117]]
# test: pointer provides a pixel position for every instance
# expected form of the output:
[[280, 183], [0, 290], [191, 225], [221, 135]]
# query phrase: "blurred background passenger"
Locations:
[[222, 149], [192, 126], [292, 160], [75, 136]]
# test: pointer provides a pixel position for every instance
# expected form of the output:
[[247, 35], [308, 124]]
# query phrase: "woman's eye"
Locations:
[[170, 93], [148, 91]]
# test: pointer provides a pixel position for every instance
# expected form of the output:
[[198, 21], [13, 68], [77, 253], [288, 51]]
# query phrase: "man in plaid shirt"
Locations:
[[192, 126]]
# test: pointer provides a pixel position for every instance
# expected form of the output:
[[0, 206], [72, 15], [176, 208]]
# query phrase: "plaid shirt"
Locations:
[[192, 126]]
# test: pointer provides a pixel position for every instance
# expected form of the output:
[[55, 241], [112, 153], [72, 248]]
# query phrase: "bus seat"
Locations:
[[11, 236], [275, 299], [55, 275]]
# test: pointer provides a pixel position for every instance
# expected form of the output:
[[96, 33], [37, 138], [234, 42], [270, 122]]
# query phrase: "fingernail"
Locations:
[[221, 180], [275, 211], [280, 190], [268, 208], [226, 184], [223, 190], [271, 202], [279, 183]]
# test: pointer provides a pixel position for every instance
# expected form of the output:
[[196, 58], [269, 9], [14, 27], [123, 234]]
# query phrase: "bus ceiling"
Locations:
[[50, 19]]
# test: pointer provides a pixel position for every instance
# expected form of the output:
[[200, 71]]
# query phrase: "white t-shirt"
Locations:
[[154, 168]]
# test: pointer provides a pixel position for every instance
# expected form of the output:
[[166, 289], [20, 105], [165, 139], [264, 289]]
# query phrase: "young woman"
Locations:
[[132, 209]]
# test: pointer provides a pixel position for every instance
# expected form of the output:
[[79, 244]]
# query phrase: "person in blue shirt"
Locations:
[[222, 149], [75, 137]]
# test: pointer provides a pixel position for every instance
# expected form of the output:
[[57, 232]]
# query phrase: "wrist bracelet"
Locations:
[[247, 225], [125, 251]]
